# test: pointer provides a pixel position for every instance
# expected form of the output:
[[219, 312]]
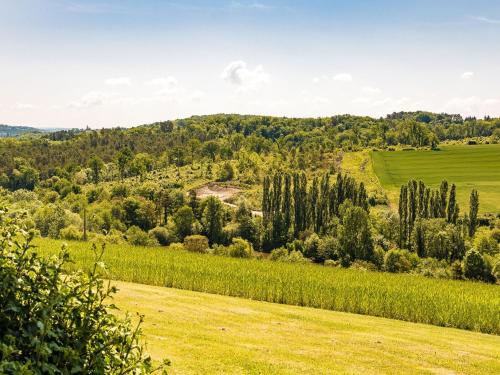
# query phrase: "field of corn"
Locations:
[[460, 304]]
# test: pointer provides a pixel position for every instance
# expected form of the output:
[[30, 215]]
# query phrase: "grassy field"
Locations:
[[473, 306], [210, 334], [468, 167]]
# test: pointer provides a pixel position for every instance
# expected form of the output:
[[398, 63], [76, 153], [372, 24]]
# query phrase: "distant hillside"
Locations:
[[14, 131]]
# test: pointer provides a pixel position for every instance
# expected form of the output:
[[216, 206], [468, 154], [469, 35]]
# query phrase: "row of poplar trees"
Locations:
[[290, 205], [417, 201]]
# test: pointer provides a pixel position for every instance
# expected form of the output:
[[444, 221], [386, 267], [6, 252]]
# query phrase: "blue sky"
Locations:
[[107, 63]]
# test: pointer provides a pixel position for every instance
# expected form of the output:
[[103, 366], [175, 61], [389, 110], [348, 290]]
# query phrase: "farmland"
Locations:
[[467, 166], [214, 334], [467, 305]]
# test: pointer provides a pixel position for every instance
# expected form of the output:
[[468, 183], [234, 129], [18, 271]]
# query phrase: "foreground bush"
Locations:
[[58, 323]]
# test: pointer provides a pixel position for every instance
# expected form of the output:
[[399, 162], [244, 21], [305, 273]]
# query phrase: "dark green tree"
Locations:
[[473, 211]]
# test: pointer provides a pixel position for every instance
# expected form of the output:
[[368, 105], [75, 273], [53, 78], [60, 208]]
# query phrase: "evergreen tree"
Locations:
[[403, 216], [312, 201], [443, 191], [287, 203], [452, 210], [266, 200], [473, 210]]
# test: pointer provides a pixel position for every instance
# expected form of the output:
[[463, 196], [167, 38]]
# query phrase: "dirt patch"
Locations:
[[224, 193]]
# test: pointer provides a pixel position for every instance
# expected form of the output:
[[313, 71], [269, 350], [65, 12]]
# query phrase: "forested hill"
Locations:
[[222, 136], [14, 131]]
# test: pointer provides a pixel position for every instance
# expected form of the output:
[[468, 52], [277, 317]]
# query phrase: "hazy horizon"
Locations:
[[125, 63]]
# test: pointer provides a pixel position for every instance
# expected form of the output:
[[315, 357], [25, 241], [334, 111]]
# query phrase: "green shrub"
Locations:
[[55, 322], [226, 172], [432, 267], [50, 219], [160, 234], [363, 265], [397, 260], [486, 244], [378, 257], [311, 246], [71, 233], [220, 250], [196, 243], [240, 248], [137, 237], [475, 267], [279, 254]]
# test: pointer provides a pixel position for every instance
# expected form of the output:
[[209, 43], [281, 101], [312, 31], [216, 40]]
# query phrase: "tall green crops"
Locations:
[[467, 305]]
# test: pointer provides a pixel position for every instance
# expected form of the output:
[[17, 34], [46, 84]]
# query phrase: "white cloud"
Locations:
[[238, 74], [342, 77], [119, 81], [371, 90], [486, 20], [467, 75]]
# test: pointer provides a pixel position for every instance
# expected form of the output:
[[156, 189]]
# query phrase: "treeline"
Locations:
[[290, 206], [221, 137], [430, 222]]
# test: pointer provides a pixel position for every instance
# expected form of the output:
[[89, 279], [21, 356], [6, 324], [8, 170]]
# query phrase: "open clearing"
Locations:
[[474, 166], [210, 334]]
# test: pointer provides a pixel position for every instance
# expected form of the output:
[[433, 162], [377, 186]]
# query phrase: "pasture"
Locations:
[[467, 166], [460, 304]]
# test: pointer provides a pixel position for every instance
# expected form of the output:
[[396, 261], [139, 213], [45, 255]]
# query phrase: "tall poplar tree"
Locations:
[[473, 210]]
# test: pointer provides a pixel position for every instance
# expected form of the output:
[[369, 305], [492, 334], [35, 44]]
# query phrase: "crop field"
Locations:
[[474, 166], [460, 304], [212, 334]]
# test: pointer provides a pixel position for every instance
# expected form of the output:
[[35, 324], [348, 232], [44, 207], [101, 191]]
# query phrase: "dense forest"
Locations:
[[140, 185]]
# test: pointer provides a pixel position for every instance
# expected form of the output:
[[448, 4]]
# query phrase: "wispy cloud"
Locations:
[[491, 21]]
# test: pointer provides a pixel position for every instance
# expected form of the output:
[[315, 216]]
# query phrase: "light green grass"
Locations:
[[473, 306], [468, 167], [210, 334]]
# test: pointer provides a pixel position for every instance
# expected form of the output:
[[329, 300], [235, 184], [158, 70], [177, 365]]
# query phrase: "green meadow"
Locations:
[[460, 304], [467, 166]]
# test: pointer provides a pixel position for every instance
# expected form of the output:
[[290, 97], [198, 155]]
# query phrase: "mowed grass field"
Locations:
[[467, 166], [210, 334], [460, 304]]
